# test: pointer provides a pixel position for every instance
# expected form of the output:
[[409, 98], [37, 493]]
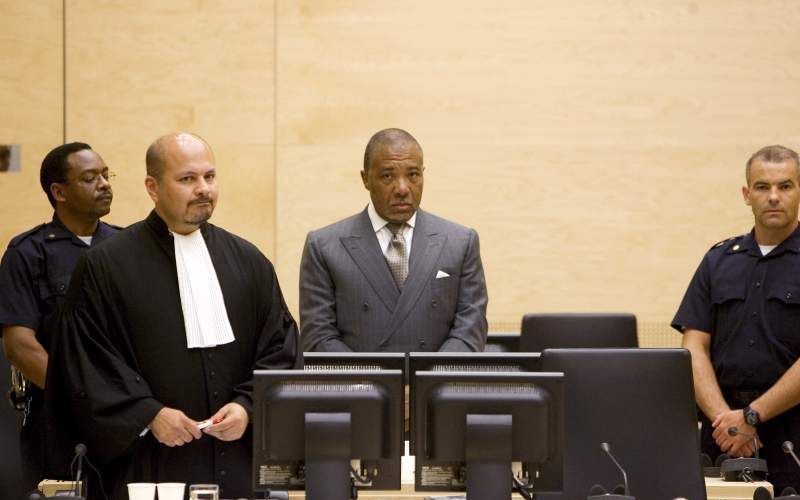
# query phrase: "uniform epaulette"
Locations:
[[16, 240], [719, 244]]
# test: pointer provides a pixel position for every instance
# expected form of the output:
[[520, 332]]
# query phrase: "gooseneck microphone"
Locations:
[[607, 448], [788, 448], [80, 453]]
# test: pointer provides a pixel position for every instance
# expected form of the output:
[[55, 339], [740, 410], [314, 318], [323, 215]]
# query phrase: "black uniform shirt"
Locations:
[[35, 272], [750, 304]]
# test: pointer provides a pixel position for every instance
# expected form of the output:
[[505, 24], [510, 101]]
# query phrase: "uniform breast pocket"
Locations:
[[727, 293], [783, 314], [727, 302], [52, 288]]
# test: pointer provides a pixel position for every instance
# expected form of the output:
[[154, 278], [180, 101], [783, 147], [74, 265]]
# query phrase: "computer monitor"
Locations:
[[310, 427], [354, 361], [466, 361], [474, 431], [502, 342], [577, 330], [641, 402]]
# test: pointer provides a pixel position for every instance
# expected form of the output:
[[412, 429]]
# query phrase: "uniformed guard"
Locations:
[[740, 319], [35, 273]]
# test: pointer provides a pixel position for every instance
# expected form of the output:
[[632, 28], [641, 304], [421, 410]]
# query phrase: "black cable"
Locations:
[[358, 477], [99, 477], [521, 488], [72, 476]]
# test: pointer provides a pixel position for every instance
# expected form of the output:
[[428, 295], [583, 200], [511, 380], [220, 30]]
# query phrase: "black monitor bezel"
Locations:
[[553, 381], [392, 379]]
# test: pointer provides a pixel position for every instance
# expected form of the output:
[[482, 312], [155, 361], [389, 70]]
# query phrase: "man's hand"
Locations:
[[173, 428], [740, 445], [231, 423]]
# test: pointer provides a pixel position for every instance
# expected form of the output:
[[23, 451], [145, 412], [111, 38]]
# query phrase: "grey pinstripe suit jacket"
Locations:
[[349, 301]]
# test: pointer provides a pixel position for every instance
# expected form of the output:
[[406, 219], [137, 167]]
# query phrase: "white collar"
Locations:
[[204, 315], [379, 222]]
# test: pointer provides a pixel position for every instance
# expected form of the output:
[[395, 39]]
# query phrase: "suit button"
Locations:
[[210, 356], [63, 287], [212, 373], [215, 394], [223, 472], [758, 284], [222, 453], [434, 303], [138, 379], [751, 342], [788, 295], [365, 306]]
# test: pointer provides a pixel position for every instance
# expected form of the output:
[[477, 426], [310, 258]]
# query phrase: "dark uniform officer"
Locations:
[[34, 276], [750, 304]]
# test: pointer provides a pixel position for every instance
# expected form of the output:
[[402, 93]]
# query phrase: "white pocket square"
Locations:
[[441, 274]]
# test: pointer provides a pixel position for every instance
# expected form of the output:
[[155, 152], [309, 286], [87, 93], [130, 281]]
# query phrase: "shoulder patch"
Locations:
[[16, 240], [720, 243]]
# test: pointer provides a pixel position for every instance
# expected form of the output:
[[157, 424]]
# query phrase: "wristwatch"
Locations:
[[751, 416]]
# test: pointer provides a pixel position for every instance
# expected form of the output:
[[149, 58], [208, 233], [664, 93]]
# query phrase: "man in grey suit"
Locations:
[[393, 277]]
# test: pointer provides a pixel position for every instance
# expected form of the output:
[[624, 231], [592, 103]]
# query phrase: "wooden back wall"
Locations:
[[597, 147]]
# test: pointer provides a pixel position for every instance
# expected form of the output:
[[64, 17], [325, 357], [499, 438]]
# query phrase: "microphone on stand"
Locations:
[[789, 492], [607, 448], [788, 448], [620, 492], [80, 453]]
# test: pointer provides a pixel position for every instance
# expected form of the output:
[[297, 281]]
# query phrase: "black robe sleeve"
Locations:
[[278, 346], [98, 395]]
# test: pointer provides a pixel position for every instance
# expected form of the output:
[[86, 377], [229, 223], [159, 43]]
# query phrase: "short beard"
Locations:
[[198, 219]]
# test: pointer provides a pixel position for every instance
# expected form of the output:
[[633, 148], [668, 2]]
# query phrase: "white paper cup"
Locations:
[[171, 491], [141, 491]]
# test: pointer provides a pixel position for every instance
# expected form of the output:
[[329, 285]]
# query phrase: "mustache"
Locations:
[[204, 199]]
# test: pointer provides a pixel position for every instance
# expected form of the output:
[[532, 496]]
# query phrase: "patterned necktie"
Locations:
[[396, 254]]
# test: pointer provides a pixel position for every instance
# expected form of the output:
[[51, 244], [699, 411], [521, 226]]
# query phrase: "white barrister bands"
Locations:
[[204, 313]]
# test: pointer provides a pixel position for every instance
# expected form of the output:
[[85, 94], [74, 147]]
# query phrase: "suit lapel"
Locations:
[[362, 246], [426, 246]]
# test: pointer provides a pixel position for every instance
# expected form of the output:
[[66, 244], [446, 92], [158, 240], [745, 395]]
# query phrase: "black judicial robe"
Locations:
[[120, 355]]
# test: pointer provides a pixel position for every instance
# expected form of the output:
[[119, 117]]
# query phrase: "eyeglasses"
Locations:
[[92, 177]]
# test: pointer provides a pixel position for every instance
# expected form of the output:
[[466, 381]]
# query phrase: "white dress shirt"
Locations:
[[384, 234]]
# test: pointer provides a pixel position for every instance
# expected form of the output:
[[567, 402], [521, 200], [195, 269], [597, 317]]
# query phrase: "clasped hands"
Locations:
[[743, 444], [172, 427]]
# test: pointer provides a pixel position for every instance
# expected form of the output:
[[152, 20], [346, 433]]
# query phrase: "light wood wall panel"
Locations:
[[137, 70], [597, 147], [30, 100]]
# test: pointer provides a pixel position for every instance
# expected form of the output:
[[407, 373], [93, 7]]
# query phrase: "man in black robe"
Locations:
[[124, 364]]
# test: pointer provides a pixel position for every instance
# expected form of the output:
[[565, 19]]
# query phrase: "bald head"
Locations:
[[388, 138], [171, 147]]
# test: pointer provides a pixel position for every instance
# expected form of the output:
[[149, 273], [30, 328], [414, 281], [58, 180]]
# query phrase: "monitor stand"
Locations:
[[488, 456], [327, 460]]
